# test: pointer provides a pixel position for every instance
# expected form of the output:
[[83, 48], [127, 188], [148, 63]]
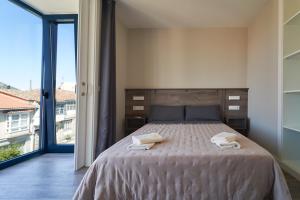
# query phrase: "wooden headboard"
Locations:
[[233, 102]]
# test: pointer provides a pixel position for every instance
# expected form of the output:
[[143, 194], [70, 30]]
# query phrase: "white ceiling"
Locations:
[[55, 6], [187, 13]]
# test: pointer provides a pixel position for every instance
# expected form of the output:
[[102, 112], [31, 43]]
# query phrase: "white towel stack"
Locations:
[[144, 142], [226, 140]]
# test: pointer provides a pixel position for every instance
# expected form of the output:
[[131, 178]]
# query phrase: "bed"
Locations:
[[185, 166]]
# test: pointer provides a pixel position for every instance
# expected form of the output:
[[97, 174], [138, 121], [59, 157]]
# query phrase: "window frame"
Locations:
[[68, 125], [51, 23], [59, 110], [70, 106], [19, 127]]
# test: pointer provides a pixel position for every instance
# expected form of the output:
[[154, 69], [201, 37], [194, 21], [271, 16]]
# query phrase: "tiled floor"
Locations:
[[51, 176]]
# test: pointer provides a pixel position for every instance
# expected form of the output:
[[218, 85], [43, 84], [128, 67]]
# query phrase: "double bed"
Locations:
[[185, 166]]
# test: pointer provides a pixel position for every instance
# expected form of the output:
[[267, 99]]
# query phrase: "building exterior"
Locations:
[[16, 116], [65, 116], [20, 118]]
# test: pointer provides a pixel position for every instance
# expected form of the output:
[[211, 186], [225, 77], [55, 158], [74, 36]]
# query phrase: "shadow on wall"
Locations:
[[264, 137]]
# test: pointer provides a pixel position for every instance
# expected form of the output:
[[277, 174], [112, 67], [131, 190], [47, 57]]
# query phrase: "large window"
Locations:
[[37, 59], [20, 80]]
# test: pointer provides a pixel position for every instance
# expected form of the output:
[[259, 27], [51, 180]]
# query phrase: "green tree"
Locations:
[[9, 152]]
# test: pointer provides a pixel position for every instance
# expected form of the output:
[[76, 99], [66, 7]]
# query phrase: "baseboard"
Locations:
[[289, 170]]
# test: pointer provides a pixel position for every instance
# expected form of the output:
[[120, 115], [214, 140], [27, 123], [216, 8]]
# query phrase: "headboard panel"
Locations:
[[233, 102], [185, 97]]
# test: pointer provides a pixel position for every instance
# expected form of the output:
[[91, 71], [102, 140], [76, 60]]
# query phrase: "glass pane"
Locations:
[[65, 85], [20, 80], [24, 116]]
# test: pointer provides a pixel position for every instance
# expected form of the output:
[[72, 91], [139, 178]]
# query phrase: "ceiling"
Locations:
[[55, 6], [187, 13], [168, 13]]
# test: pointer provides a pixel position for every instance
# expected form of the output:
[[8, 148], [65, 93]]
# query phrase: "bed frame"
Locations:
[[232, 101]]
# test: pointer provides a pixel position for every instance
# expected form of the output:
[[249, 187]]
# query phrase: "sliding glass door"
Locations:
[[20, 81]]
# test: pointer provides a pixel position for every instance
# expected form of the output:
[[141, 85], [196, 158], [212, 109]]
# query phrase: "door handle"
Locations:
[[45, 94]]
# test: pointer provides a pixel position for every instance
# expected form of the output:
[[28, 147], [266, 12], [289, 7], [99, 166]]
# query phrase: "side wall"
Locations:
[[262, 77], [187, 58]]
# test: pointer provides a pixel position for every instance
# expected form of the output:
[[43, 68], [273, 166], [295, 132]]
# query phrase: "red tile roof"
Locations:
[[34, 95], [10, 102], [64, 95]]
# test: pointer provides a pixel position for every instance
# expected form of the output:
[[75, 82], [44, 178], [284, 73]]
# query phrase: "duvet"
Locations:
[[185, 166]]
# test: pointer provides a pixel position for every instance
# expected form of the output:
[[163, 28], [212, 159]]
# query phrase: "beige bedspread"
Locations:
[[185, 166]]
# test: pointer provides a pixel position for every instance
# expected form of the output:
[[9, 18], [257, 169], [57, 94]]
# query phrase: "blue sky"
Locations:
[[21, 48]]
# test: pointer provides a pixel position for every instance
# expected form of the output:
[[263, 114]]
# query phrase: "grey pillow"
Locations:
[[202, 113], [160, 113]]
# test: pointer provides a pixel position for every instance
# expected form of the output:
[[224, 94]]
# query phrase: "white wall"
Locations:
[[262, 76], [187, 58], [178, 58], [121, 63]]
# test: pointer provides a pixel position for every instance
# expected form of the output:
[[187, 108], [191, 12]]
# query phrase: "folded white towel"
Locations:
[[226, 145], [226, 140], [224, 137], [140, 146], [147, 138]]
